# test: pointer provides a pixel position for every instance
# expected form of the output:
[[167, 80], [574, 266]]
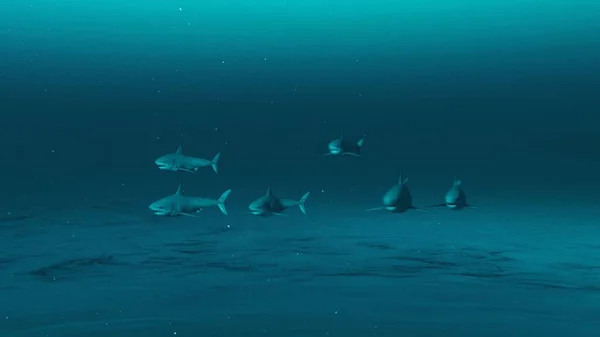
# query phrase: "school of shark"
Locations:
[[397, 199]]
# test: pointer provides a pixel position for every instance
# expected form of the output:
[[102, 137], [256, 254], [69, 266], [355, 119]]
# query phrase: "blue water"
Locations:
[[501, 94]]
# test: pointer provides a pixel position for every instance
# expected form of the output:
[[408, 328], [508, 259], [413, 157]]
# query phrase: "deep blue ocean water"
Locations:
[[501, 94]]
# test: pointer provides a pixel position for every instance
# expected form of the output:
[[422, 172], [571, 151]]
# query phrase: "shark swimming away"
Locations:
[[269, 205], [179, 204], [455, 198], [177, 161], [345, 147], [397, 199]]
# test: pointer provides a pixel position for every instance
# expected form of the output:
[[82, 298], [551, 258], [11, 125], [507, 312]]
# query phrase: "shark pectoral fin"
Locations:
[[187, 170], [351, 154], [419, 209], [376, 209], [280, 214], [436, 205], [190, 215]]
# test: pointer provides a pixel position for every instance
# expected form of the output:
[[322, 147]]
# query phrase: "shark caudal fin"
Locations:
[[361, 141], [302, 202], [215, 162], [221, 201]]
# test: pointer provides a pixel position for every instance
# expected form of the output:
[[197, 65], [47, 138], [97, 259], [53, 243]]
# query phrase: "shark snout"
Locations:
[[163, 165], [158, 210], [335, 146], [390, 199], [256, 209], [451, 202]]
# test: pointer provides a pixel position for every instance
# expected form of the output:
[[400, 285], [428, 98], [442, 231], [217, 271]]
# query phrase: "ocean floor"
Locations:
[[116, 270]]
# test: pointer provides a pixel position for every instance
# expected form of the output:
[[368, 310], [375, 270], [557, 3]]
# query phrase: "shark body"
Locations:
[[397, 199], [179, 204], [269, 205], [345, 147], [177, 161], [455, 198]]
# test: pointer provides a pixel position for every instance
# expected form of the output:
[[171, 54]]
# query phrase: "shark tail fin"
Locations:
[[361, 141], [302, 202], [215, 162], [221, 201]]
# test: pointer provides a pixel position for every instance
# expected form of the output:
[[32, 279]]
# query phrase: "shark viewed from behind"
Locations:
[[178, 204], [269, 205], [177, 161]]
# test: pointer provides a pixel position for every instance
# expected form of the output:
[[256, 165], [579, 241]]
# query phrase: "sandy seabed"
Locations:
[[111, 270]]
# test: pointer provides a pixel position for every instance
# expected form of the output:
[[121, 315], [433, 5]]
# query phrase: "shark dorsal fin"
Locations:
[[179, 150], [342, 136], [402, 180], [269, 193], [179, 189], [457, 182]]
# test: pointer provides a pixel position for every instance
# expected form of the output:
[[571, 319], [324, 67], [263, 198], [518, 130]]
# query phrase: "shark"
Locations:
[[397, 199], [455, 198], [177, 161], [269, 205], [345, 147], [179, 204]]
